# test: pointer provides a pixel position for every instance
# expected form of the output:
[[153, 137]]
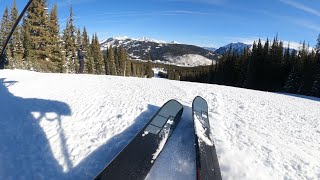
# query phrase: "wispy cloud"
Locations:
[[301, 7], [213, 2], [63, 3], [187, 12], [305, 23], [245, 40], [154, 13]]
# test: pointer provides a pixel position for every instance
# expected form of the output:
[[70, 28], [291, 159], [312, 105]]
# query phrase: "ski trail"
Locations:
[[258, 135]]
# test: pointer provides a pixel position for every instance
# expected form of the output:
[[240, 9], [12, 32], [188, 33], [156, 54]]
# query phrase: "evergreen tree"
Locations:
[[38, 23], [78, 44], [69, 39], [26, 43], [15, 44], [54, 44], [111, 62], [149, 72], [97, 56], [287, 64], [116, 60], [122, 58], [249, 82], [79, 38], [318, 45], [127, 67], [87, 52], [4, 28]]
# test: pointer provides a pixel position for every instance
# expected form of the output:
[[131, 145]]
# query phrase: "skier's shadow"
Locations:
[[95, 162], [25, 151]]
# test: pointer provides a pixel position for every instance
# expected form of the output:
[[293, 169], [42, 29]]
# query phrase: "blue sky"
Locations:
[[211, 23]]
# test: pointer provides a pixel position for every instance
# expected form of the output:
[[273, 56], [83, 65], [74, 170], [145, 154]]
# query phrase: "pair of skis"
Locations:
[[137, 158]]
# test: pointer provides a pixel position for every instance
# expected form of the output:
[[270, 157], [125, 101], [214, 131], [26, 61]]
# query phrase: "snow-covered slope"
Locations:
[[189, 60], [59, 126]]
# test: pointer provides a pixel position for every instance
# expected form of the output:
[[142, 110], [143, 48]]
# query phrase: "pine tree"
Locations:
[[4, 28], [149, 72], [122, 58], [318, 45], [87, 52], [249, 82], [116, 60], [111, 62], [97, 56], [15, 43], [38, 29], [128, 69], [79, 38], [54, 44], [26, 44], [69, 39], [78, 44]]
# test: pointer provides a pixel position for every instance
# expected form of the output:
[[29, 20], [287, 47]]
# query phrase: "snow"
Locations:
[[63, 126], [157, 70], [201, 131], [163, 141], [146, 39], [189, 60]]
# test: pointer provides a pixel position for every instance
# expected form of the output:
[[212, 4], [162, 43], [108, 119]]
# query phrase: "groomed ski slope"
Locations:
[[58, 126]]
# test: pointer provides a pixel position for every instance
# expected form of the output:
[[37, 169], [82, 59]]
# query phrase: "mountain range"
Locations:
[[163, 52], [171, 53], [236, 47]]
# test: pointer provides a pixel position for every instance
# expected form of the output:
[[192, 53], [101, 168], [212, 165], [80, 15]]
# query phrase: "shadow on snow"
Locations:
[[24, 144], [25, 151], [92, 165]]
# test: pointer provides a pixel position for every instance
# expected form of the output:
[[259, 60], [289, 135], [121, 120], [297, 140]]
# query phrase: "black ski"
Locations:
[[206, 156], [137, 158]]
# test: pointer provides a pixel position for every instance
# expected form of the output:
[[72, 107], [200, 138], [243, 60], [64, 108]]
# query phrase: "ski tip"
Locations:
[[198, 98]]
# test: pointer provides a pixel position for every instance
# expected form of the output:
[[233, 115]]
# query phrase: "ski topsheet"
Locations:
[[137, 158], [206, 157]]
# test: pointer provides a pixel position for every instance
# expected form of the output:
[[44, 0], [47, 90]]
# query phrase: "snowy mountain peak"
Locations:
[[174, 42], [236, 47], [146, 39], [121, 38], [126, 38]]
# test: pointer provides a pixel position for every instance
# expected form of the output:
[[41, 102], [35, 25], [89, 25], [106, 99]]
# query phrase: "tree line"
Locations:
[[37, 44], [267, 66]]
